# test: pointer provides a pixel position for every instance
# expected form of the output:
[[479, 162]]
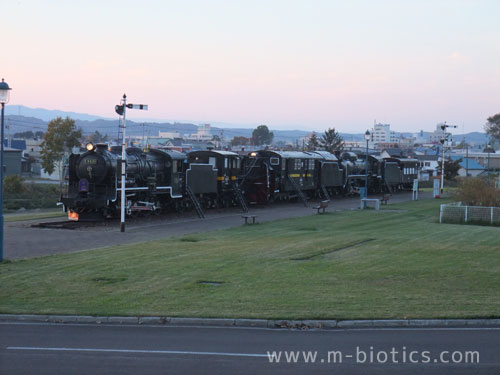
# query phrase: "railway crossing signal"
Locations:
[[121, 109], [443, 141]]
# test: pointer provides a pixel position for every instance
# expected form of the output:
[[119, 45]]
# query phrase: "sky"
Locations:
[[289, 64]]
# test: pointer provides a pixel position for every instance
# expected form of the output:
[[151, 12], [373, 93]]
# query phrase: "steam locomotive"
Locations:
[[164, 180]]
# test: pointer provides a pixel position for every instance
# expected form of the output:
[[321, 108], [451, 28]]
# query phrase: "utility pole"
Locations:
[[143, 143]]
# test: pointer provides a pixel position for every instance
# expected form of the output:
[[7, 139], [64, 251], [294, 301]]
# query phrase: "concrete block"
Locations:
[[325, 324], [261, 323], [123, 320], [390, 323], [355, 324], [155, 320]]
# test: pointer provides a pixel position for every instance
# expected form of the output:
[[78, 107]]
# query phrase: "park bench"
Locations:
[[366, 201], [246, 217], [385, 198], [322, 206]]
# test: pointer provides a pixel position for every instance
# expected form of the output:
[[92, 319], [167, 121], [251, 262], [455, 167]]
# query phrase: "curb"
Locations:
[[253, 323]]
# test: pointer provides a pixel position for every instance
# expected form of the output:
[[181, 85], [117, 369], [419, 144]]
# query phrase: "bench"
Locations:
[[323, 205], [385, 198], [365, 201], [246, 217]]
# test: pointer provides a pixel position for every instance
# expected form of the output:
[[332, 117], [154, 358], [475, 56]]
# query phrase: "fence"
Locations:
[[456, 213]]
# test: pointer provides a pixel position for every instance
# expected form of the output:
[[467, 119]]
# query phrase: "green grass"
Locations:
[[342, 265], [35, 215]]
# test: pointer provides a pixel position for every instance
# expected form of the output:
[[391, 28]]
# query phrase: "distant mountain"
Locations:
[[37, 119], [46, 114]]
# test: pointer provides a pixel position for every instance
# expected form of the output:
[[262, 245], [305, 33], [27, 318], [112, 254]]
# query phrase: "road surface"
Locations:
[[40, 348]]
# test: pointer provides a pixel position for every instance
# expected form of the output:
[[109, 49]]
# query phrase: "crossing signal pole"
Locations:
[[443, 141], [121, 110]]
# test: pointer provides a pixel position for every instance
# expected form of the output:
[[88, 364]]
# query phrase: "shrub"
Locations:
[[13, 184], [19, 194], [477, 191]]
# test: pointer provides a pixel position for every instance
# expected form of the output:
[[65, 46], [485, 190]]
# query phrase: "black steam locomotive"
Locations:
[[164, 180]]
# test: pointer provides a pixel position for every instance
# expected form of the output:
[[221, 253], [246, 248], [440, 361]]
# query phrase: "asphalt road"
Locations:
[[40, 348], [23, 241]]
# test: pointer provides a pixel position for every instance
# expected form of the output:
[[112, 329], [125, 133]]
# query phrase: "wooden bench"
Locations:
[[323, 205], [246, 217], [385, 198], [365, 201]]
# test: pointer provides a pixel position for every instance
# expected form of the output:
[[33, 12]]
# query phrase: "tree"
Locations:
[[25, 135], [262, 136], [61, 136], [239, 141], [96, 137], [493, 126], [28, 134], [332, 141], [313, 142], [450, 168]]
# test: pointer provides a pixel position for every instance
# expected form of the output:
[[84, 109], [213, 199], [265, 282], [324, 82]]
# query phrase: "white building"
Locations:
[[381, 133], [171, 135], [203, 133]]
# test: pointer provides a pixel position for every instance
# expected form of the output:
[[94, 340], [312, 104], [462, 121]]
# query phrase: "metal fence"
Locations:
[[456, 213]]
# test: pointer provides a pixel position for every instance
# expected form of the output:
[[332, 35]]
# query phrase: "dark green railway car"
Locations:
[[218, 186], [276, 175], [409, 172], [226, 163], [329, 172]]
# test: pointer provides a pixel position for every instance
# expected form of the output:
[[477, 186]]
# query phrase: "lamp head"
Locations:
[[367, 135], [4, 92]]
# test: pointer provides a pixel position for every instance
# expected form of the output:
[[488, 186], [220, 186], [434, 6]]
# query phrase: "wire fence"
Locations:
[[456, 213]]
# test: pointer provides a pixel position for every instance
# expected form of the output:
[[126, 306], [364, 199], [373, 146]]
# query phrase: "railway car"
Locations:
[[409, 172], [330, 176], [225, 191], [280, 175]]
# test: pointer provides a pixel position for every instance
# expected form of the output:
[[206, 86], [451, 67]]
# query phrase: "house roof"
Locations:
[[426, 157], [19, 144], [398, 152], [472, 164]]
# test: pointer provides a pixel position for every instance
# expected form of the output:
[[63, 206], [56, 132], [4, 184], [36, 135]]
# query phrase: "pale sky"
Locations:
[[307, 64]]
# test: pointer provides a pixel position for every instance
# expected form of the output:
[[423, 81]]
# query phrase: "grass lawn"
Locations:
[[46, 214], [342, 265]]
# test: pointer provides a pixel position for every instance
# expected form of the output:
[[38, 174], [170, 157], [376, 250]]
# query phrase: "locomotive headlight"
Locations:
[[90, 146], [254, 154]]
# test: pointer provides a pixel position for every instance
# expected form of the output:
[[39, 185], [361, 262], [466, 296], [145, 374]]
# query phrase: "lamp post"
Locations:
[[4, 98], [367, 138]]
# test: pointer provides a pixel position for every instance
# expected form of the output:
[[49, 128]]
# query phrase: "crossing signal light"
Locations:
[[119, 109]]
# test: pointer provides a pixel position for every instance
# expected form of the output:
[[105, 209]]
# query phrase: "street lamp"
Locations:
[[4, 98], [367, 138]]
